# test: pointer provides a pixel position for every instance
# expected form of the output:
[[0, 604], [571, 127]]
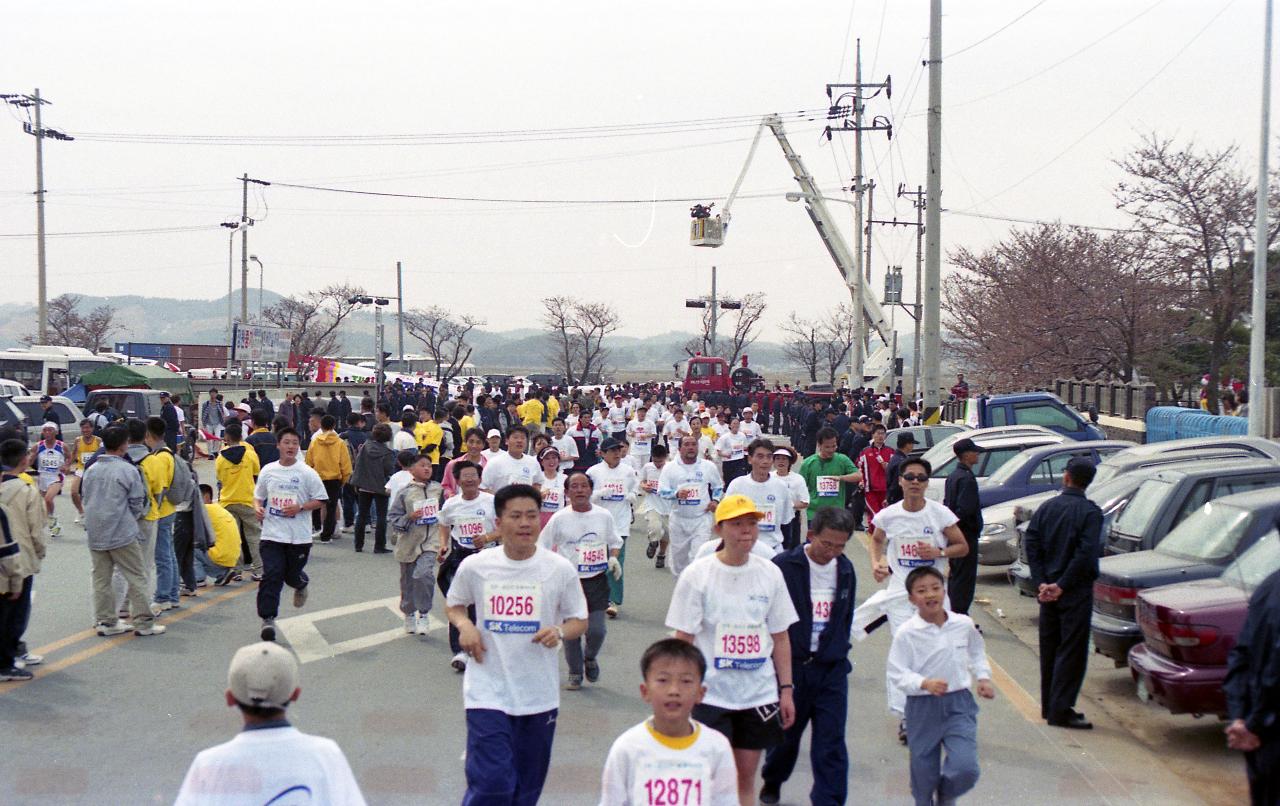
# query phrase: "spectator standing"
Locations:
[[1252, 687], [25, 521], [329, 457], [375, 463], [961, 497]]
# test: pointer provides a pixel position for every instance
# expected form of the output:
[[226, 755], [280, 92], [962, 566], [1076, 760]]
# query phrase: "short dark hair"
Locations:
[[113, 437], [205, 488], [155, 426], [916, 460], [760, 442], [261, 711], [381, 432], [518, 429], [12, 451], [234, 430], [659, 451], [511, 492], [675, 649], [569, 477], [136, 428], [354, 418], [1081, 472], [408, 420], [406, 458], [836, 518], [474, 432], [260, 418], [288, 431], [878, 427], [327, 422], [825, 433], [923, 571], [458, 467]]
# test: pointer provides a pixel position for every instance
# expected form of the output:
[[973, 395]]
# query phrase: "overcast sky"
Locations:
[[1023, 138]]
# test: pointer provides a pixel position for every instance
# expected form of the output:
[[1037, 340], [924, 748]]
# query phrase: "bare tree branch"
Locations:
[[576, 332], [444, 336], [315, 317]]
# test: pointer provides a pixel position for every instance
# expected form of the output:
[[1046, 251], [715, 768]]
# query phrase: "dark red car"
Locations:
[[1189, 628]]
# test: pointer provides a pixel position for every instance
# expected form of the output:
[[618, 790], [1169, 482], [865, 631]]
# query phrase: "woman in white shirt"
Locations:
[[550, 483], [732, 447]]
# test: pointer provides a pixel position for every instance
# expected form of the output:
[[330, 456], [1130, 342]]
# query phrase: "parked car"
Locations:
[[1198, 548], [69, 417], [10, 414], [139, 403], [942, 450], [996, 451], [1111, 496], [926, 436], [1038, 470], [1154, 454], [1188, 630], [1166, 498], [8, 387], [1031, 408]]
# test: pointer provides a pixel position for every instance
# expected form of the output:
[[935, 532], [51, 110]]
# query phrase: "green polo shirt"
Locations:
[[832, 493]]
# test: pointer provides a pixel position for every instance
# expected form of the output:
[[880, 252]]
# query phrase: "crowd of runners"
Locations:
[[520, 509]]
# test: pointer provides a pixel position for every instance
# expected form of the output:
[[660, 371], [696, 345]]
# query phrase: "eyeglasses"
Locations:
[[914, 477]]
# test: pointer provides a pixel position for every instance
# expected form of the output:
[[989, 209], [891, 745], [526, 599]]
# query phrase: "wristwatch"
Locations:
[[560, 632]]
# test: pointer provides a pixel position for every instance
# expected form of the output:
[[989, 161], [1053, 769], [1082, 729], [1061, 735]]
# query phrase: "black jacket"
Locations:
[[1252, 684], [893, 487], [833, 644], [961, 497], [1063, 541], [264, 443], [375, 462]]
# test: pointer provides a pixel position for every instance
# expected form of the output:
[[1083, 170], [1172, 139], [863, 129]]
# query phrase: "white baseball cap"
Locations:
[[493, 432], [263, 674]]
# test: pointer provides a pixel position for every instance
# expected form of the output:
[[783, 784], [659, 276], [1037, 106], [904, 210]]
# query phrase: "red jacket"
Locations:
[[873, 464]]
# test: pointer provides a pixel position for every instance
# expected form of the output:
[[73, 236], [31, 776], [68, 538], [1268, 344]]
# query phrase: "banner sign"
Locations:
[[260, 343]]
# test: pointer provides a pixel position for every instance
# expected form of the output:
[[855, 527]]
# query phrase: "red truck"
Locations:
[[717, 383]]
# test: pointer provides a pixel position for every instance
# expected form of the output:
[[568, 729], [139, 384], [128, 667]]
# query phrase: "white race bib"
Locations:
[[551, 500], [769, 522], [740, 646], [280, 498], [689, 494], [613, 491], [828, 486], [426, 513], [909, 554], [671, 782], [466, 530], [823, 600], [511, 607], [591, 557]]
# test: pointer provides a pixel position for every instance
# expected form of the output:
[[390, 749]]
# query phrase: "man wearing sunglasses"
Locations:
[[912, 533]]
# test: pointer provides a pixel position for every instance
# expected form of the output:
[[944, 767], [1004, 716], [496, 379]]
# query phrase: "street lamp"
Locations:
[[261, 269], [380, 359]]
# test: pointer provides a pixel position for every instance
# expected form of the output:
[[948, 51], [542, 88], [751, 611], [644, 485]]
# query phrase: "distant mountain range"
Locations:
[[193, 321]]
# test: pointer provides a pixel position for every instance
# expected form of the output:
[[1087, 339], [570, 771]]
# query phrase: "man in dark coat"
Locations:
[[961, 497], [1252, 687]]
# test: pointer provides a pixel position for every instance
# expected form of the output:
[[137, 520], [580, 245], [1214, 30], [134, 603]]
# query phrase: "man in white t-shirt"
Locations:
[[735, 608], [269, 761], [528, 600], [616, 486], [676, 427], [640, 434], [654, 511], [471, 524], [565, 444], [512, 467], [771, 495], [750, 427], [586, 536], [693, 487], [912, 533], [494, 440], [615, 418], [286, 488]]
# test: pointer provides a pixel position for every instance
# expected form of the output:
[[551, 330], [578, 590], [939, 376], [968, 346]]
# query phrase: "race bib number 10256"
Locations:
[[511, 607]]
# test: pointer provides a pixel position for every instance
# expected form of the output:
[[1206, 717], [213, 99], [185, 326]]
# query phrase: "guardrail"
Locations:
[[1114, 398]]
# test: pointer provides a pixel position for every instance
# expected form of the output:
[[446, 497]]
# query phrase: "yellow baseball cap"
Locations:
[[735, 506]]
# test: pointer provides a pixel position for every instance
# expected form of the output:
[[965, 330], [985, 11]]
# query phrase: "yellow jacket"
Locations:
[[429, 433], [553, 408], [237, 468], [226, 536], [329, 457], [531, 411], [157, 472]]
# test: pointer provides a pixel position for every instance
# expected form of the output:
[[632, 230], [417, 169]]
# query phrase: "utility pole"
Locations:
[[1258, 337], [244, 250], [914, 310], [932, 375], [40, 133], [400, 311], [716, 305], [866, 263], [857, 290]]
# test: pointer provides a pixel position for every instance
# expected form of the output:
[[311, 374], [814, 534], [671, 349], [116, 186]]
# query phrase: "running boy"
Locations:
[[670, 758], [934, 659], [413, 516]]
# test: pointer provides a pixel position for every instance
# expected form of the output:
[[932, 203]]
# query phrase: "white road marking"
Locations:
[[309, 645]]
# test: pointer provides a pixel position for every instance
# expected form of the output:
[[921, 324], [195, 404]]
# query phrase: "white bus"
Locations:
[[49, 370]]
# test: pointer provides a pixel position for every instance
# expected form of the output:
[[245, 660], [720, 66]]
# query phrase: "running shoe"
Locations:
[[154, 629], [652, 549], [300, 596], [592, 668], [268, 632], [29, 659], [14, 674], [661, 561], [575, 682], [410, 624], [611, 611], [119, 627], [459, 662]]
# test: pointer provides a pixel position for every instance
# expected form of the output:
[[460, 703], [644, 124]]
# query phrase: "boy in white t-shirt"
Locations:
[[269, 757], [654, 512], [528, 601], [735, 608], [914, 533], [670, 758]]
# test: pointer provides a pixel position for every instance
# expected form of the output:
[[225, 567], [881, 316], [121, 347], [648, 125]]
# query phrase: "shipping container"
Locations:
[[147, 350]]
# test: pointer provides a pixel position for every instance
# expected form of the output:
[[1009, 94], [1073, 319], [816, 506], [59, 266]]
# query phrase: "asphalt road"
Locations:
[[118, 720]]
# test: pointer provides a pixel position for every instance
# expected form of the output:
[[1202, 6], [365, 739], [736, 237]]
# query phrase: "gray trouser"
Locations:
[[148, 545], [251, 530], [417, 584], [934, 724], [595, 640], [128, 562]]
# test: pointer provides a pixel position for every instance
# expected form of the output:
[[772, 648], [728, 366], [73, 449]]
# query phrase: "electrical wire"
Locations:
[[112, 232], [575, 133], [497, 200], [996, 32], [1011, 219], [1114, 111]]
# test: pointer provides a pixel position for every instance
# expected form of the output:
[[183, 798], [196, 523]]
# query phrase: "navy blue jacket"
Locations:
[[833, 644]]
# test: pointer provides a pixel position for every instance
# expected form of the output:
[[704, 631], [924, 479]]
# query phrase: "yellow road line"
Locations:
[[1019, 697], [64, 642], [115, 641]]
